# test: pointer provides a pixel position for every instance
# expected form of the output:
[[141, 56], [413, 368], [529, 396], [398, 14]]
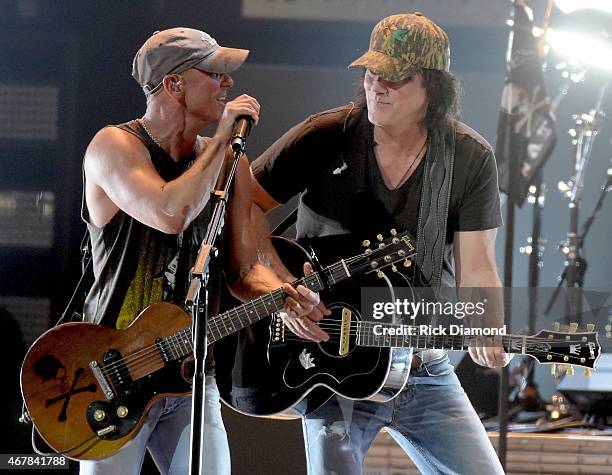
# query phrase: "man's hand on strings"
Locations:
[[303, 310]]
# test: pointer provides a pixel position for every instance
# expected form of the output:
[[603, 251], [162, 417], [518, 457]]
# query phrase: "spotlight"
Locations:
[[582, 48], [569, 6]]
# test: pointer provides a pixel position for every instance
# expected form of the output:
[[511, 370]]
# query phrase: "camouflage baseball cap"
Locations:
[[402, 44], [179, 49]]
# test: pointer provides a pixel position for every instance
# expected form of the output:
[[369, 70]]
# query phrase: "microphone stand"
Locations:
[[587, 128], [197, 298]]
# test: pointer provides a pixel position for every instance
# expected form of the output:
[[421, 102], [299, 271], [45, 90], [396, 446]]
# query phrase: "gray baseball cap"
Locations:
[[179, 49]]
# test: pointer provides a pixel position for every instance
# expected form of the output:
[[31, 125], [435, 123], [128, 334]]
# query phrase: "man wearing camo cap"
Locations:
[[146, 205], [398, 157]]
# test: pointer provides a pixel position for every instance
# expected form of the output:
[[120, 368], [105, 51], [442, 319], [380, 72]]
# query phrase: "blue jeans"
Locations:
[[431, 419], [166, 433]]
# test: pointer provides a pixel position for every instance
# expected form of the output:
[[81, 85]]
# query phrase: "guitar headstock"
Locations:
[[570, 348], [383, 253]]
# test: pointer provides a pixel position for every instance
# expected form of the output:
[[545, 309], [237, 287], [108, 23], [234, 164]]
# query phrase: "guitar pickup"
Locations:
[[97, 372], [345, 331]]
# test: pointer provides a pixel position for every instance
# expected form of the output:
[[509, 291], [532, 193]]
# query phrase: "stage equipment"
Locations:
[[528, 395], [592, 395], [583, 136]]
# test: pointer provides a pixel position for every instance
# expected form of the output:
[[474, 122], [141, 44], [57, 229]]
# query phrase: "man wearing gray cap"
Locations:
[[398, 158], [146, 205]]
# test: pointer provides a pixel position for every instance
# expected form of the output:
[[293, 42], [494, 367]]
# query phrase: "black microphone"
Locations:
[[242, 129]]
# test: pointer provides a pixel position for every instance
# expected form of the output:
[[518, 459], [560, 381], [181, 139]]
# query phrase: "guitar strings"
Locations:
[[531, 351], [447, 340], [150, 355]]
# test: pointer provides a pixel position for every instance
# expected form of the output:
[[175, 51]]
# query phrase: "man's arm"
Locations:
[[475, 267], [120, 175], [248, 277]]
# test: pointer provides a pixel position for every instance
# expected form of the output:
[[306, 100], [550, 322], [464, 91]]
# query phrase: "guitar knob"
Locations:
[[570, 371], [366, 243], [587, 372], [407, 263], [122, 411], [573, 327], [99, 415], [590, 327], [393, 232], [379, 237]]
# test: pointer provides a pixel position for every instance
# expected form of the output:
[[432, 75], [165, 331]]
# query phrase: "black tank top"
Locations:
[[136, 265]]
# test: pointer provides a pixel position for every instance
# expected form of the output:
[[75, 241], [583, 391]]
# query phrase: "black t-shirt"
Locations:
[[305, 158]]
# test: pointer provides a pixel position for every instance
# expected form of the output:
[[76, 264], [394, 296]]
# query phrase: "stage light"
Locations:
[[581, 48], [569, 6]]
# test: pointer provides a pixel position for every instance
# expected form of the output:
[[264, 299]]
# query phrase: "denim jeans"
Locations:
[[166, 433], [431, 419]]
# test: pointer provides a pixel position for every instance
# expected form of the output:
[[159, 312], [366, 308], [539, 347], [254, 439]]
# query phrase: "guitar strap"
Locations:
[[76, 302]]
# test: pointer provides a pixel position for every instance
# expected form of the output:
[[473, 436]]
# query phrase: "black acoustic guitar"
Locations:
[[87, 387], [278, 374]]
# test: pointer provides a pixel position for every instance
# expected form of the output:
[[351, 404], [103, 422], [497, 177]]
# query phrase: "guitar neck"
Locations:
[[546, 346]]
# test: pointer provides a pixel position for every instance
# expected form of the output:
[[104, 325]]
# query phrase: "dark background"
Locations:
[[80, 53]]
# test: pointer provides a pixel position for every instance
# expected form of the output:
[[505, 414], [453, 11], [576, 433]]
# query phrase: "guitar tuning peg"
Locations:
[[393, 232], [407, 263], [570, 371], [393, 268], [587, 372], [573, 327], [590, 327], [553, 369], [379, 237], [366, 243], [556, 326], [380, 274]]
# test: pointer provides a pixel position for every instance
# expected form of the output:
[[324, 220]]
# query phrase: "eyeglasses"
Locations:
[[215, 76]]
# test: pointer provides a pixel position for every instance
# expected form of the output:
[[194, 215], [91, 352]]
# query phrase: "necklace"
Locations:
[[149, 133], [412, 166]]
